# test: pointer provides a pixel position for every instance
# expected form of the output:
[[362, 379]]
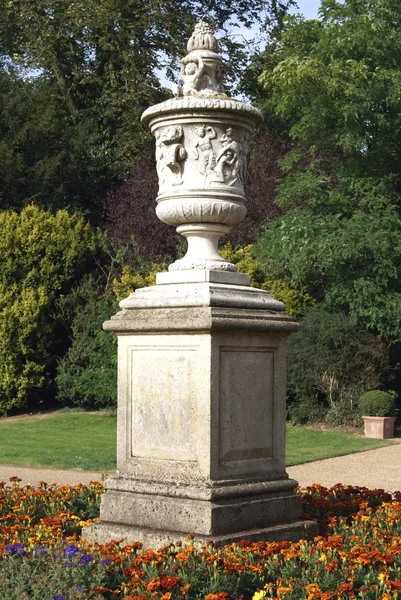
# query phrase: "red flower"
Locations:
[[169, 581]]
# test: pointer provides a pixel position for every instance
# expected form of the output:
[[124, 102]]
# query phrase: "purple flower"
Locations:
[[85, 558], [69, 563], [106, 561], [15, 550], [40, 551], [80, 590], [71, 550], [58, 598]]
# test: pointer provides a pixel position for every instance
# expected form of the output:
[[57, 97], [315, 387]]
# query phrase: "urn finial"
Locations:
[[201, 68], [202, 38]]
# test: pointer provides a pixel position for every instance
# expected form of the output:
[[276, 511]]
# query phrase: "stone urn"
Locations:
[[201, 354], [201, 152]]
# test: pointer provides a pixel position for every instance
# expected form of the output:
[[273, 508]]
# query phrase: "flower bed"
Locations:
[[357, 555]]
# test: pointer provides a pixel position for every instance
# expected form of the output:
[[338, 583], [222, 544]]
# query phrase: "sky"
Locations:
[[308, 8]]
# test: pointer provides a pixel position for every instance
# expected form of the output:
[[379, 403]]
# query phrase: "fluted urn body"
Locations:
[[202, 140]]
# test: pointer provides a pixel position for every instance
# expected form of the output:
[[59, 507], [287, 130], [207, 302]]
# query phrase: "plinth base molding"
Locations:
[[153, 538]]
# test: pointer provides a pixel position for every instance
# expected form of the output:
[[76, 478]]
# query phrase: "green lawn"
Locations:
[[88, 441], [305, 445], [63, 439]]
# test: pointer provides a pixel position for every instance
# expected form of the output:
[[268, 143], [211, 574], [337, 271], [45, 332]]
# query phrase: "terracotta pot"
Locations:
[[381, 428]]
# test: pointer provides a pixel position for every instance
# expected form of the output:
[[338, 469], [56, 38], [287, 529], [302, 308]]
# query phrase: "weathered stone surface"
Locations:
[[198, 517], [200, 403], [201, 421], [152, 538], [208, 294], [201, 276]]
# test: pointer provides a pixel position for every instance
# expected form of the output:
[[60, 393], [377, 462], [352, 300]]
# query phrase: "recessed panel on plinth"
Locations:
[[246, 403], [164, 402]]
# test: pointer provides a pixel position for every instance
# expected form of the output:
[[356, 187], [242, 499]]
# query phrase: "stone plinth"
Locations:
[[201, 415]]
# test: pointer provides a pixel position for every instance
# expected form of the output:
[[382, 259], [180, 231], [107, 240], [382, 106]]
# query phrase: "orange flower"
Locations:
[[344, 587], [284, 590], [185, 588], [217, 596], [166, 596], [312, 588], [153, 584]]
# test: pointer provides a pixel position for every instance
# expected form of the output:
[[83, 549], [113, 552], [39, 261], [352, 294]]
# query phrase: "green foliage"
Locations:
[[377, 403], [87, 373], [45, 156], [244, 261], [331, 362], [295, 297], [42, 255], [45, 575], [337, 80], [130, 279], [346, 251], [334, 84]]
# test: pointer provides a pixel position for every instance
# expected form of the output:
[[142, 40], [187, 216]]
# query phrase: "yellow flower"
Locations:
[[259, 595]]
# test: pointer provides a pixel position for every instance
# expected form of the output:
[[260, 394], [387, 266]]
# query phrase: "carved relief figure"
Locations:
[[227, 165], [192, 73], [203, 150], [224, 171], [228, 157], [226, 138], [169, 154], [243, 159]]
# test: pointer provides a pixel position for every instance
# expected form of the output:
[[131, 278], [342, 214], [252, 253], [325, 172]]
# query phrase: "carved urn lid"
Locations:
[[202, 38], [202, 82]]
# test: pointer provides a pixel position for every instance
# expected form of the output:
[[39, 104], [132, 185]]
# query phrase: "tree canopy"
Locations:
[[335, 84]]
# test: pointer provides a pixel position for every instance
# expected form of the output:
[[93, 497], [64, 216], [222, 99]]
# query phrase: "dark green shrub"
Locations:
[[378, 404], [43, 255], [331, 362], [307, 410], [87, 374]]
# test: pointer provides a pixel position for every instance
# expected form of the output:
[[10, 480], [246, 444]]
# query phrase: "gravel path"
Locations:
[[34, 474], [373, 469], [379, 468]]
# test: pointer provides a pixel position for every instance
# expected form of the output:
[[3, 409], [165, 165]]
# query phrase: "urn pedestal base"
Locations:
[[201, 416], [103, 532]]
